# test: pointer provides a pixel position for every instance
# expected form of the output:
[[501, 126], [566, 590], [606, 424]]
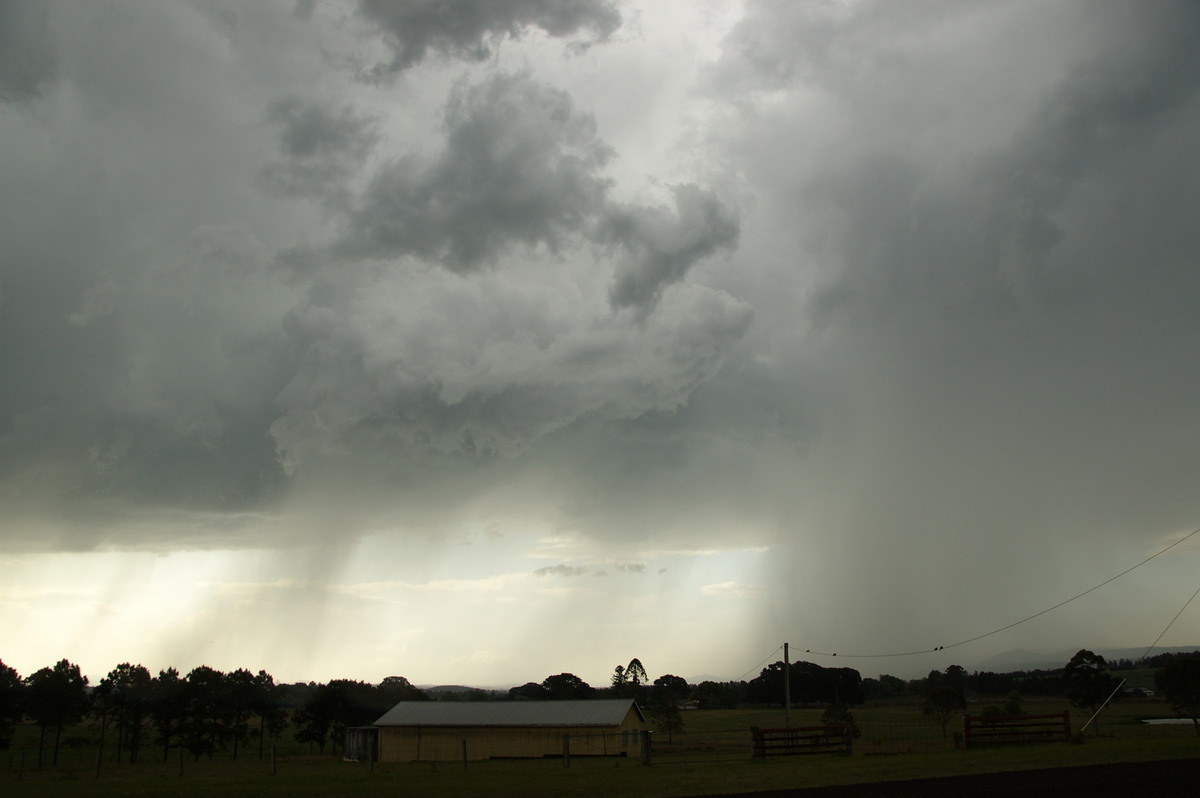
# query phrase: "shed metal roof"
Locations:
[[509, 713]]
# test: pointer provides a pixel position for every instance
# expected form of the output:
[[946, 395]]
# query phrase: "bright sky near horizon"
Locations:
[[476, 342]]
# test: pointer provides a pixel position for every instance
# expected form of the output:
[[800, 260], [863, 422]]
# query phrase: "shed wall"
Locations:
[[441, 744]]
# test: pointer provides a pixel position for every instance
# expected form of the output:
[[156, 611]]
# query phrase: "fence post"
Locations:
[[966, 731], [464, 746], [566, 750], [272, 759], [180, 750], [646, 747]]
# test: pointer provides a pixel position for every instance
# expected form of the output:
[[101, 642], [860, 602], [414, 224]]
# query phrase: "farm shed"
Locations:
[[439, 730]]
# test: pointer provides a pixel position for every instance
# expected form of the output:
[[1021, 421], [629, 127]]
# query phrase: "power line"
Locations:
[[1026, 619], [1145, 654], [759, 665], [1169, 625]]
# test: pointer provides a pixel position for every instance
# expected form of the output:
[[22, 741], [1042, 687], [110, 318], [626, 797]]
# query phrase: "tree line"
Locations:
[[200, 713], [207, 710]]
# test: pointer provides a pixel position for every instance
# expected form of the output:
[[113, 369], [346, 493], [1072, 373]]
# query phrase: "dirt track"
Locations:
[[1173, 777]]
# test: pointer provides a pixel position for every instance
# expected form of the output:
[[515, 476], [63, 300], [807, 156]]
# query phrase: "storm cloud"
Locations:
[[27, 56], [520, 165], [871, 324], [469, 30]]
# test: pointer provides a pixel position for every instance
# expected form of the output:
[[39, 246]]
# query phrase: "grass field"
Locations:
[[921, 753]]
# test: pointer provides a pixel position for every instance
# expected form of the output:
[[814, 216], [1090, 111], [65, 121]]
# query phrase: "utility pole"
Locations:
[[787, 689]]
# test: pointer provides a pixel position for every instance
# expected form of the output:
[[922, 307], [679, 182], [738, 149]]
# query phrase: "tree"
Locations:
[[676, 686], [717, 695], [1088, 682], [12, 693], [57, 697], [809, 683], [530, 691], [241, 695], [664, 708], [619, 680], [565, 687], [269, 708], [312, 727], [332, 707], [886, 686], [838, 714], [956, 677], [636, 674], [205, 706], [1179, 681], [126, 692], [767, 687], [351, 703], [395, 689], [942, 705], [628, 681], [1012, 704], [167, 707]]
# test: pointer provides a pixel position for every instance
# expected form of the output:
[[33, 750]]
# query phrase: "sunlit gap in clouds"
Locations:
[[119, 606]]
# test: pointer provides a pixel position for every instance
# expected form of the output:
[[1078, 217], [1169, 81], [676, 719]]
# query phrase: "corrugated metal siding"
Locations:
[[510, 713], [446, 743]]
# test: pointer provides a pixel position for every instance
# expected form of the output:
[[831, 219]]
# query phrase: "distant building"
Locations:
[[442, 731]]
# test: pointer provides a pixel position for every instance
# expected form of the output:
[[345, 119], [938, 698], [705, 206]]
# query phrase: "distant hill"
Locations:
[[434, 689]]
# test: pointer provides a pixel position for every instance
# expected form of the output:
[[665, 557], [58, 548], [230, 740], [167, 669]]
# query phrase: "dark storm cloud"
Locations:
[[992, 239], [171, 373], [660, 247], [989, 204], [323, 147], [107, 422], [28, 59], [467, 29], [309, 130], [482, 370], [520, 165]]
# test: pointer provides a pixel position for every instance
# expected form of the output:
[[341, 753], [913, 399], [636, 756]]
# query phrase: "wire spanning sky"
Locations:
[[477, 342]]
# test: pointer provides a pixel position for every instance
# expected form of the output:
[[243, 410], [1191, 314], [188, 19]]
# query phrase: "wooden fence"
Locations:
[[1015, 729], [802, 740]]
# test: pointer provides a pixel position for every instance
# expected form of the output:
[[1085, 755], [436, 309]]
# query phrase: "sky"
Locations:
[[476, 342]]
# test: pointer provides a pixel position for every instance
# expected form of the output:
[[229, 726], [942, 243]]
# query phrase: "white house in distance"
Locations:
[[435, 731]]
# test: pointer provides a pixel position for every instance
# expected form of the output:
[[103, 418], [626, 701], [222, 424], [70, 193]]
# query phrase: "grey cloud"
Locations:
[[180, 373], [322, 149], [520, 166], [987, 282], [560, 570], [466, 28], [485, 370], [304, 9], [108, 421], [661, 247], [309, 130], [28, 59], [975, 222]]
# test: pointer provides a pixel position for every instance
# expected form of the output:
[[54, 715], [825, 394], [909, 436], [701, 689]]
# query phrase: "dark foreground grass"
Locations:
[[328, 776], [910, 746]]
